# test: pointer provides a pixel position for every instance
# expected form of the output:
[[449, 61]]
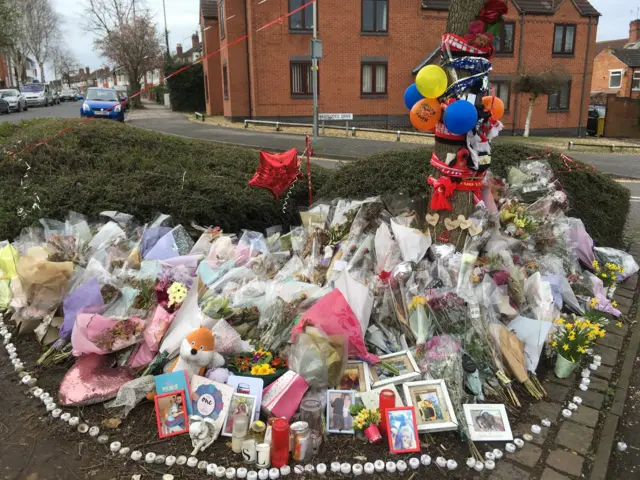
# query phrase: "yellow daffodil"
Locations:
[[565, 347], [554, 344], [619, 324], [415, 302], [613, 277], [572, 337], [582, 349], [569, 326], [594, 301], [560, 321], [601, 333], [604, 275], [614, 304]]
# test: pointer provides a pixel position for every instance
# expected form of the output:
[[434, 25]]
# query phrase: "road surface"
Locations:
[[64, 110]]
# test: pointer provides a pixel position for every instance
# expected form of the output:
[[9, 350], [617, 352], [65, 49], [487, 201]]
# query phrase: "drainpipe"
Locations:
[[515, 103], [246, 29], [584, 80]]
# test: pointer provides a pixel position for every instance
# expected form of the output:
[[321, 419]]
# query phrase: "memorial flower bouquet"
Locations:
[[571, 340], [609, 274], [366, 420]]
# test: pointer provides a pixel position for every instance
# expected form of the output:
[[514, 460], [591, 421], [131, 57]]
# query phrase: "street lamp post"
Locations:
[[166, 32]]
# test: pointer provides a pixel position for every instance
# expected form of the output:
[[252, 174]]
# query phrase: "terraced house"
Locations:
[[372, 50]]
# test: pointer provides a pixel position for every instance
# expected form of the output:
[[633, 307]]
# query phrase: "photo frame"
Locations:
[[403, 361], [240, 403], [402, 430], [434, 410], [339, 419], [355, 377], [487, 422], [171, 414]]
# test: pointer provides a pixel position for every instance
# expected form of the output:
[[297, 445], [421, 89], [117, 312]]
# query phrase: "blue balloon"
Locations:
[[460, 117], [412, 96]]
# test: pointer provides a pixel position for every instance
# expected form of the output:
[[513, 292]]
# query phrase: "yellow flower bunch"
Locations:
[[366, 417], [573, 336], [415, 302], [177, 291], [262, 369], [593, 302]]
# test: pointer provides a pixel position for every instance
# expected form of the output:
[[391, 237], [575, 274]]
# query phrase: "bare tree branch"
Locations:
[[40, 29]]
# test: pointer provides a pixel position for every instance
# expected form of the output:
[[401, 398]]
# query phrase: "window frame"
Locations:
[[563, 52], [502, 37], [507, 104], [303, 13], [558, 109], [375, 31], [611, 72], [307, 82], [633, 79], [225, 81], [373, 92], [222, 22]]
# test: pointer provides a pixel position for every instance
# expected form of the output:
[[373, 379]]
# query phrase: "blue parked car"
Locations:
[[102, 103]]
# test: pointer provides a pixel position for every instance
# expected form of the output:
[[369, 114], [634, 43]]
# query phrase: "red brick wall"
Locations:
[[603, 63], [212, 67], [413, 33]]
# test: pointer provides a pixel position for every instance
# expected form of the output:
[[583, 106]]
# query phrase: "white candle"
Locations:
[[478, 467], [401, 465], [471, 462], [452, 464], [425, 460], [65, 416], [103, 439], [308, 468], [124, 451], [414, 463], [391, 467], [536, 429], [321, 468], [252, 475], [583, 387], [518, 442], [489, 456], [181, 460], [546, 422], [274, 473], [167, 476], [192, 462], [241, 472], [150, 457], [286, 470], [572, 406], [56, 413], [566, 413], [230, 473], [220, 471], [335, 467], [527, 436], [357, 469], [171, 460], [585, 381], [83, 428], [345, 468], [94, 431], [298, 469], [621, 446], [136, 455], [202, 465], [38, 392], [597, 358], [510, 447], [74, 422], [378, 466], [441, 462], [490, 464], [263, 474], [593, 367], [497, 453], [585, 373], [160, 459]]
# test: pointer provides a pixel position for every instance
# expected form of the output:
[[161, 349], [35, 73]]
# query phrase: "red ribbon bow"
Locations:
[[443, 188]]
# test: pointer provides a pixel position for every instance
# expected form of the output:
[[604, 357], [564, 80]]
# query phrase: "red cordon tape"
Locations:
[[278, 20]]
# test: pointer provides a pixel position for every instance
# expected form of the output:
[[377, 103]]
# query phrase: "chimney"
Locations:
[[81, 72], [195, 40], [634, 31], [87, 70], [179, 49]]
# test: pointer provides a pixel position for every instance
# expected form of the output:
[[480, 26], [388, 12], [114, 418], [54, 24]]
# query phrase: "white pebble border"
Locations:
[[219, 471]]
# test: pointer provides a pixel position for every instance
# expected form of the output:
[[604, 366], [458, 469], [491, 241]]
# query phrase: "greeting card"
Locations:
[[174, 382]]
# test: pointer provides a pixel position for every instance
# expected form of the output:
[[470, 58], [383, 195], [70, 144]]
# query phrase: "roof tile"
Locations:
[[629, 56], [544, 7]]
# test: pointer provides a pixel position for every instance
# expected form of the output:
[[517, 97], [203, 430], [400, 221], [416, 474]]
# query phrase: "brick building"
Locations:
[[372, 50], [616, 67]]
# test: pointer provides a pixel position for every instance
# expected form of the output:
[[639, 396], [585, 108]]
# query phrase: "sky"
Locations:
[[182, 22]]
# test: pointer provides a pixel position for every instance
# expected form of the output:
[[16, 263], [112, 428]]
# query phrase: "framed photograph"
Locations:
[[339, 420], [248, 386], [171, 414], [355, 377], [240, 404], [487, 422], [434, 410], [402, 430], [405, 364]]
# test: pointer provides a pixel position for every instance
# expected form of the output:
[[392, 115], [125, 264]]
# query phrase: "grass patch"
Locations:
[[109, 166], [601, 203]]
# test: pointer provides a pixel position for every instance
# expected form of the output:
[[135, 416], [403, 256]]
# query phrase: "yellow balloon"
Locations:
[[431, 81]]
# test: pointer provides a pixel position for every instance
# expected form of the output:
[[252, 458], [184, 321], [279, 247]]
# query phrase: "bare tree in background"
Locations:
[[127, 36], [536, 84], [64, 63], [40, 30]]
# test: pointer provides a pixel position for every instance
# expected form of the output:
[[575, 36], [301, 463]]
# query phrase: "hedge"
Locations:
[[600, 202], [111, 166], [186, 90]]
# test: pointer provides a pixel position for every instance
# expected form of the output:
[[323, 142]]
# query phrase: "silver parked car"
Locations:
[[37, 94], [69, 94], [14, 98]]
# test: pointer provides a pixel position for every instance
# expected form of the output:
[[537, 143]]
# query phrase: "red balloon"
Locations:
[[277, 171]]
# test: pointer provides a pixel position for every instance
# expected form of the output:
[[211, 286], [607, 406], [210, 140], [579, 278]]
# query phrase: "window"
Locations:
[[302, 20], [225, 81], [559, 100], [635, 85], [373, 79], [503, 42], [206, 89], [564, 39], [615, 78], [502, 90], [221, 15], [374, 16], [302, 79]]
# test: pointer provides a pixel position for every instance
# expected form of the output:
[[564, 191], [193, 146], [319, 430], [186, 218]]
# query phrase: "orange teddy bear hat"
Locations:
[[202, 337]]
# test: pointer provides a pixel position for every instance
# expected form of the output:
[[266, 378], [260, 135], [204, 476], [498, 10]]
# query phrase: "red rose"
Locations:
[[492, 11], [476, 27]]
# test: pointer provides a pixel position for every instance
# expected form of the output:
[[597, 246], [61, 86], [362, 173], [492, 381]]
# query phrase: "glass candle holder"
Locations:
[[311, 413], [279, 442], [239, 432], [387, 400]]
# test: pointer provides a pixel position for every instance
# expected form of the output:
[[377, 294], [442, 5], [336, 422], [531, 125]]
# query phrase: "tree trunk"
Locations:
[[41, 65], [461, 14], [135, 87], [527, 123]]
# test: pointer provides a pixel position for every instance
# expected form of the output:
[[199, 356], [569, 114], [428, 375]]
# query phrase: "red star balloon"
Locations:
[[277, 171]]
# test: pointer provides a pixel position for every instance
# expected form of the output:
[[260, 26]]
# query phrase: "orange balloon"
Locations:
[[494, 105], [425, 114]]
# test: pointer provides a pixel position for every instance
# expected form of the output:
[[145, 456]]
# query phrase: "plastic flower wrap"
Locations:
[[625, 264], [95, 333], [608, 272], [318, 358]]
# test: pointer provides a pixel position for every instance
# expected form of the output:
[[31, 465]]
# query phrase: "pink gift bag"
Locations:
[[282, 397]]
